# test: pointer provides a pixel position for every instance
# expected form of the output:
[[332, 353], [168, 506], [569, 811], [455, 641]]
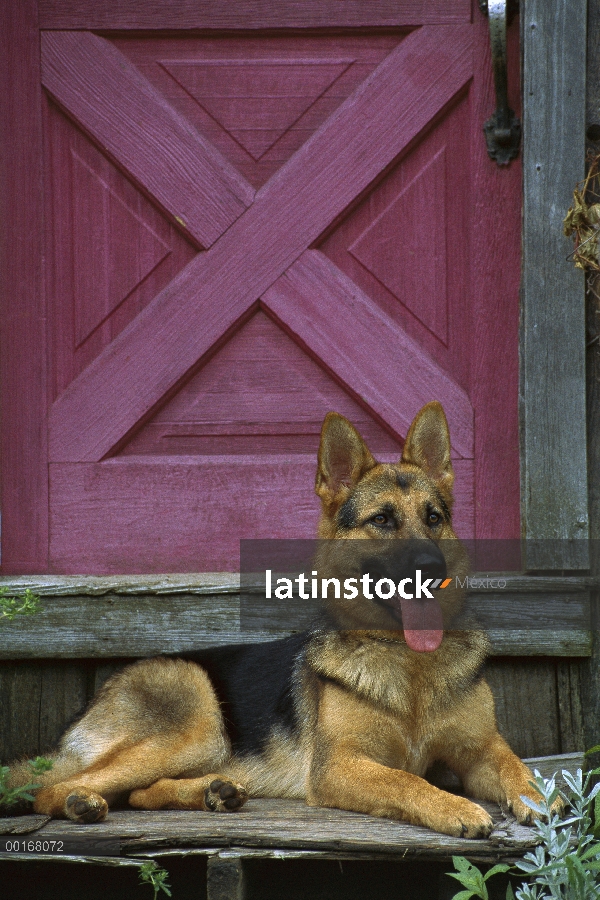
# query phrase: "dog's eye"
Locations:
[[383, 520], [433, 518]]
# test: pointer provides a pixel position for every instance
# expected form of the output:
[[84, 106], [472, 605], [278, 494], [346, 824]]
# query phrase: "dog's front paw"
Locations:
[[525, 815], [461, 818]]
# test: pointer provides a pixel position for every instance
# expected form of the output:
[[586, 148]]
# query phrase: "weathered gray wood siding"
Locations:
[[553, 462]]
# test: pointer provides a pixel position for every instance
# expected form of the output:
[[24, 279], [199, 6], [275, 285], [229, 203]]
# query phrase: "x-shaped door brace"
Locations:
[[256, 245]]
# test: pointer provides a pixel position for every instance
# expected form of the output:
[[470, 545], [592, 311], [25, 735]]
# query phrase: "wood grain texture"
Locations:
[[22, 824], [94, 586], [210, 503], [548, 766], [569, 677], [312, 294], [65, 690], [20, 692], [591, 673], [110, 250], [415, 270], [112, 625], [38, 700], [243, 90], [527, 709], [260, 394], [259, 14], [185, 320], [494, 255], [225, 879], [554, 465], [181, 171], [293, 825], [23, 398], [529, 642], [229, 583]]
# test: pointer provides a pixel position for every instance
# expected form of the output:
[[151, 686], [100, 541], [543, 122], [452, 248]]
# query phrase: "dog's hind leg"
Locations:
[[85, 797], [157, 719]]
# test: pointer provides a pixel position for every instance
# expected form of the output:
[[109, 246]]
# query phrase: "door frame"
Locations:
[[554, 492]]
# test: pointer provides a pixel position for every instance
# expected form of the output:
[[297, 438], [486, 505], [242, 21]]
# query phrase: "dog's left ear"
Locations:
[[427, 446]]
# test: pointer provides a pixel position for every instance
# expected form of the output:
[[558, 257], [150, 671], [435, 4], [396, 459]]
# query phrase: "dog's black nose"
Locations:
[[431, 563]]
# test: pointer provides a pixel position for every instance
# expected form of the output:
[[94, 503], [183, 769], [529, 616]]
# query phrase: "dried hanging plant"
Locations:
[[583, 219]]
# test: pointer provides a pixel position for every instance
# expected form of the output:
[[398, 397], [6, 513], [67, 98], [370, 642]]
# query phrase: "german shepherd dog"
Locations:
[[349, 714]]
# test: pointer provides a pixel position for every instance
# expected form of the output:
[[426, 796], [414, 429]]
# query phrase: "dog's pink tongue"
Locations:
[[423, 624]]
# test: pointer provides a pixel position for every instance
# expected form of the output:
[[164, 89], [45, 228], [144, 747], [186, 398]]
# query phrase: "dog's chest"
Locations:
[[390, 677]]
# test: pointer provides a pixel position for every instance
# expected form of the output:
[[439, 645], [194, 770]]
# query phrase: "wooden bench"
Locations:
[[90, 627]]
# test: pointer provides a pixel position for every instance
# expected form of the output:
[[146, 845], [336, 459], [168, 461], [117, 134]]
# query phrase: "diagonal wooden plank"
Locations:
[[375, 359], [117, 106], [259, 14], [401, 97]]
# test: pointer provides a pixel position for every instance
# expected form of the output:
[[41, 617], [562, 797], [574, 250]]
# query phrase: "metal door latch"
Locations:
[[503, 129]]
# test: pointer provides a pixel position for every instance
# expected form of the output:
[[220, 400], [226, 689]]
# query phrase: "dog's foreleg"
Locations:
[[359, 784], [497, 774]]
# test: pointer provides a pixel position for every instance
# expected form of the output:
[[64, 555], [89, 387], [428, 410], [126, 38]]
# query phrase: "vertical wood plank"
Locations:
[[495, 229], [554, 465], [591, 669], [37, 701], [24, 495], [527, 709], [225, 879], [63, 694], [20, 692], [570, 710]]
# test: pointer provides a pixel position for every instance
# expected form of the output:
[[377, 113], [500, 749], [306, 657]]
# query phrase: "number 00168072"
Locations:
[[31, 845]]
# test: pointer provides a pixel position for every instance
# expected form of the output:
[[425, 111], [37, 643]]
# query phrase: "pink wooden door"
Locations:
[[245, 229]]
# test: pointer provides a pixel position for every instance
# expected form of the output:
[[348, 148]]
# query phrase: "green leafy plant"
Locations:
[[151, 873], [11, 607], [11, 796], [565, 865], [472, 878]]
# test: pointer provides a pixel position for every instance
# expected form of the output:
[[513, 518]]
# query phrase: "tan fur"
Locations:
[[373, 714]]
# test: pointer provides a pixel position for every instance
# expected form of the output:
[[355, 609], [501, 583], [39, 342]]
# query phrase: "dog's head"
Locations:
[[408, 506]]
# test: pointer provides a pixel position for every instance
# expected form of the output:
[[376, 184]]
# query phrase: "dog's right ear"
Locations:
[[343, 459]]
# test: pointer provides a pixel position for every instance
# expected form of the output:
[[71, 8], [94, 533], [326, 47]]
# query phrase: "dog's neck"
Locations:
[[380, 667]]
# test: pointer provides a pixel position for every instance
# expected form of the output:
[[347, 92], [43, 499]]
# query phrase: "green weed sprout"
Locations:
[[11, 607], [11, 796], [151, 873]]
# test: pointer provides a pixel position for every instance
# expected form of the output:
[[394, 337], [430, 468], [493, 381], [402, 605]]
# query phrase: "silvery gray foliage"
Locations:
[[566, 864]]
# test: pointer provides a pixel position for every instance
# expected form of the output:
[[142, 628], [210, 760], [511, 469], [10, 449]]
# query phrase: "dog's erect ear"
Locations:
[[428, 445], [343, 458]]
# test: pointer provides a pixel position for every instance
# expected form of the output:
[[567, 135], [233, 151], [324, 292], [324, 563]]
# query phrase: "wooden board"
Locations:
[[23, 309], [590, 695], [554, 464], [295, 826], [261, 14], [128, 616]]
